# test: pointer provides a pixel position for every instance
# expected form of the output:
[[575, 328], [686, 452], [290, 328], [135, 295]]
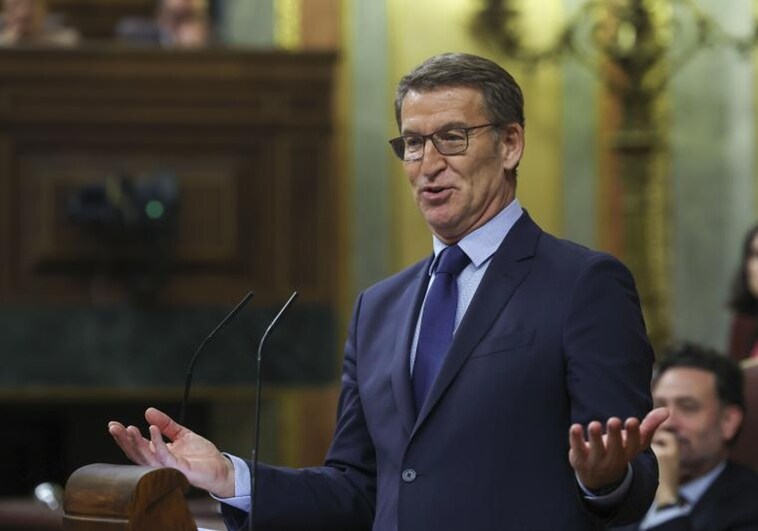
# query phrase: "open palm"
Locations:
[[194, 456]]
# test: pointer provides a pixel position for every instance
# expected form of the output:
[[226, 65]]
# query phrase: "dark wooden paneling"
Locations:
[[249, 138], [96, 19], [247, 135]]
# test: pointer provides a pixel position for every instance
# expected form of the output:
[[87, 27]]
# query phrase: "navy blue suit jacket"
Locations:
[[729, 504], [553, 336]]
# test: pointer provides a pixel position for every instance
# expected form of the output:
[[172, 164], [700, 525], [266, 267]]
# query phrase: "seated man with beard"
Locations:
[[699, 487]]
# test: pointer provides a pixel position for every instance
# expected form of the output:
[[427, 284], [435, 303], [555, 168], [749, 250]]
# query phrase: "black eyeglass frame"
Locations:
[[398, 143]]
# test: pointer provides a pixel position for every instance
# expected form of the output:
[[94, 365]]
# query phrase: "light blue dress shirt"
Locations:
[[479, 246], [690, 492]]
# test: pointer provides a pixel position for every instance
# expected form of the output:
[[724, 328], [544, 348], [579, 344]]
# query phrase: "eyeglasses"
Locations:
[[409, 148]]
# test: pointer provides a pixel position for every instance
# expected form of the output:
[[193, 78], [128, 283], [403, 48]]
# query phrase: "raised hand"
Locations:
[[601, 460], [196, 457], [666, 450]]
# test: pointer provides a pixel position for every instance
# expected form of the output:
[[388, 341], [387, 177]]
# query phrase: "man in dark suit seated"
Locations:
[[700, 489], [469, 378]]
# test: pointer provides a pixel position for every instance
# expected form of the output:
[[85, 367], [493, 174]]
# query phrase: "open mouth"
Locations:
[[435, 189], [436, 193]]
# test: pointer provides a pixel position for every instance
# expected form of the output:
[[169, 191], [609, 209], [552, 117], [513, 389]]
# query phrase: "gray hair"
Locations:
[[503, 100]]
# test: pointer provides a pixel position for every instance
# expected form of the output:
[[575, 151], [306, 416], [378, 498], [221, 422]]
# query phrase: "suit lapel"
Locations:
[[510, 266], [706, 508], [410, 301]]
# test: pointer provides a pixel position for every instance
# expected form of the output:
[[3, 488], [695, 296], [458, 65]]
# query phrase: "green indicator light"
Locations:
[[154, 209]]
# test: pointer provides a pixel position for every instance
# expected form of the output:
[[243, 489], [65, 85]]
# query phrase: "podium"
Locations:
[[102, 497]]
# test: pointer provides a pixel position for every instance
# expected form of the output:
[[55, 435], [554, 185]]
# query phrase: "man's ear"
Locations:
[[731, 420], [512, 137]]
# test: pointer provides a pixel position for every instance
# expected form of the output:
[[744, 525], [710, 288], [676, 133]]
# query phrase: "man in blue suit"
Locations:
[[496, 385]]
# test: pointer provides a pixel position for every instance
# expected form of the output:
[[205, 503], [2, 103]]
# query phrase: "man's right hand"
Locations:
[[666, 451], [194, 456]]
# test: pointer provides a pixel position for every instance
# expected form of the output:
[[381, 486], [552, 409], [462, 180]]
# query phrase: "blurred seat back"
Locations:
[[745, 450]]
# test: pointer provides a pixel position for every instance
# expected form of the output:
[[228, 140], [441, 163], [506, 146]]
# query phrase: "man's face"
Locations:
[[459, 193], [701, 424]]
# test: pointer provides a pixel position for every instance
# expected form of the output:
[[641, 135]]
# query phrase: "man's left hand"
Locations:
[[601, 460]]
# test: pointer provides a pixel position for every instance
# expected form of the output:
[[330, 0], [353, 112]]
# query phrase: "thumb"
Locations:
[[167, 426], [652, 422]]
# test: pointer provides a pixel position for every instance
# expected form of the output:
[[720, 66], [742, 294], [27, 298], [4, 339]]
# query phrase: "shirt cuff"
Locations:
[[612, 498], [241, 498]]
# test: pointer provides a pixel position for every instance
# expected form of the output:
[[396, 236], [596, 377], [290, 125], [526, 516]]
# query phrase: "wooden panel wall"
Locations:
[[96, 19], [248, 136]]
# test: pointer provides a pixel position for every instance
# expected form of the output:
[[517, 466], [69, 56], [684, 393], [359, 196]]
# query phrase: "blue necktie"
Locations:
[[437, 322]]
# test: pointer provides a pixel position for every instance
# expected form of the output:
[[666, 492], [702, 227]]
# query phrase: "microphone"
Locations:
[[191, 368], [254, 475]]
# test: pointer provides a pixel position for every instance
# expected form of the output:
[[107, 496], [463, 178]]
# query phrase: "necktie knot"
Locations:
[[452, 261]]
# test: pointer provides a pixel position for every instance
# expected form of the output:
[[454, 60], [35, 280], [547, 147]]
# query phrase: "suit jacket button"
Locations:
[[409, 475]]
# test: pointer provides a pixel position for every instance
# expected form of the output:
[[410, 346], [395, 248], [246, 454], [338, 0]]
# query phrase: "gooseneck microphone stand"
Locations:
[[258, 382], [191, 368]]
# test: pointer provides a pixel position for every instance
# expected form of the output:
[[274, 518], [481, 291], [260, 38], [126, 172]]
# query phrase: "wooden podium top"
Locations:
[[102, 497]]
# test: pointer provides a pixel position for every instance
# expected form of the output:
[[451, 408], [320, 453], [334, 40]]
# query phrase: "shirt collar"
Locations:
[[693, 490], [480, 244]]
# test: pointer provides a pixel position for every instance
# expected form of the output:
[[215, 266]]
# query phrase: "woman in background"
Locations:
[[743, 339]]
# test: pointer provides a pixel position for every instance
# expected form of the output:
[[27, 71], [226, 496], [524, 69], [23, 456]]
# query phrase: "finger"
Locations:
[[161, 451], [595, 432], [576, 438], [125, 441], [657, 449], [632, 443], [665, 436], [119, 434], [577, 442], [614, 441], [651, 422], [116, 429], [141, 447], [167, 426]]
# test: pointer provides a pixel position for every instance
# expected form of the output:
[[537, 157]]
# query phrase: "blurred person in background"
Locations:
[[699, 487], [177, 23], [743, 337], [28, 22]]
